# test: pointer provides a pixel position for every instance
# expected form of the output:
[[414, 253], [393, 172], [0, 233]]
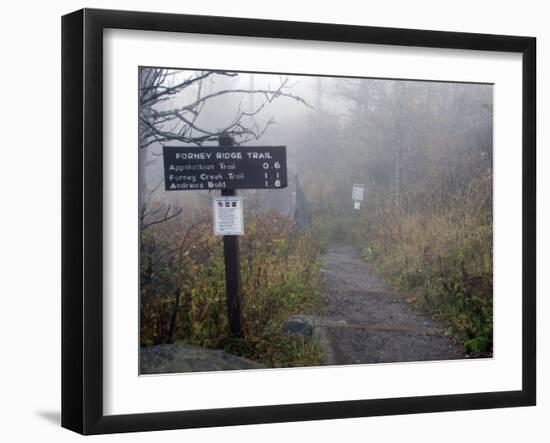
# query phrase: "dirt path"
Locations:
[[365, 322]]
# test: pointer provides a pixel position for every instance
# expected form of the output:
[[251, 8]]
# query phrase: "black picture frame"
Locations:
[[82, 215]]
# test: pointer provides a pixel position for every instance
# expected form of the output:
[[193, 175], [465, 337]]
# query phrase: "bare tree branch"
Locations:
[[185, 128], [171, 102], [167, 216]]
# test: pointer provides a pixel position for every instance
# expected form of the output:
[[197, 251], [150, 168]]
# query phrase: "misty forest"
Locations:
[[404, 275]]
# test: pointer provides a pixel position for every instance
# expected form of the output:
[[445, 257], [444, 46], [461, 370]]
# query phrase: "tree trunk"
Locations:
[[173, 321], [397, 175]]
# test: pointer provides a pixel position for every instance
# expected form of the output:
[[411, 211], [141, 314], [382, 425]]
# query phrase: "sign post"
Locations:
[[232, 277], [232, 268], [226, 167]]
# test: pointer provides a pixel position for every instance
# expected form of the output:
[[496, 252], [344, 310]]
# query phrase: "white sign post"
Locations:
[[357, 195], [228, 215]]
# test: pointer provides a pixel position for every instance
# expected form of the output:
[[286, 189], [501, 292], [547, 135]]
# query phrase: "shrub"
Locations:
[[183, 293]]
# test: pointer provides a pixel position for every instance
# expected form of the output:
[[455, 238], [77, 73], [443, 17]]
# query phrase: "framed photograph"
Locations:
[[269, 221]]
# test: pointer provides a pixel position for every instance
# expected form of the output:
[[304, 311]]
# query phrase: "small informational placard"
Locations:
[[358, 192], [228, 216], [357, 205]]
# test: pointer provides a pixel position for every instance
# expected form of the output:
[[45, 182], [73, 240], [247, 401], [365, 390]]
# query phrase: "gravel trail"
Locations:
[[365, 322]]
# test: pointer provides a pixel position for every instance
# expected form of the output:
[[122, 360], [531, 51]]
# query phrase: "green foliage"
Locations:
[[279, 278], [444, 260], [424, 150], [277, 350]]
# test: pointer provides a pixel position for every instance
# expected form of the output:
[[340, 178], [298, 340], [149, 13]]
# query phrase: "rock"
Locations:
[[164, 359], [299, 325]]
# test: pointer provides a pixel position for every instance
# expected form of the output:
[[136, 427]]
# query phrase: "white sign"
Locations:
[[358, 192], [356, 205], [228, 215]]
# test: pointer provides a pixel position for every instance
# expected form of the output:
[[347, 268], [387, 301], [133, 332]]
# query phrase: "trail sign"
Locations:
[[224, 167], [358, 192], [227, 168], [357, 195], [228, 215]]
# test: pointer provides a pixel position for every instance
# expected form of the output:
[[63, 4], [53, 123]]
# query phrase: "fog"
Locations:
[[401, 138], [421, 151]]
